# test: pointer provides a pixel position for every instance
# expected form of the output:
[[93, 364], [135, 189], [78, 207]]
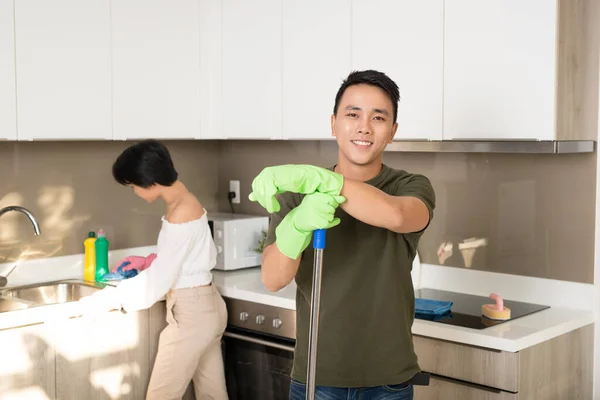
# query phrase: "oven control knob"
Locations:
[[219, 249], [244, 316], [219, 233], [260, 319], [277, 322]]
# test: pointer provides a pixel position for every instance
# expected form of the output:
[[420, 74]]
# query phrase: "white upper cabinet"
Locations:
[[63, 69], [8, 95], [500, 69], [252, 69], [156, 69], [211, 93], [316, 58], [404, 39]]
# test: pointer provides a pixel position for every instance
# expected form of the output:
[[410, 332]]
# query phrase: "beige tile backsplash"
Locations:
[[528, 214], [70, 189], [520, 214]]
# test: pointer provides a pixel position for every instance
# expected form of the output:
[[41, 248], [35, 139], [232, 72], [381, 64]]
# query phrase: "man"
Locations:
[[374, 216]]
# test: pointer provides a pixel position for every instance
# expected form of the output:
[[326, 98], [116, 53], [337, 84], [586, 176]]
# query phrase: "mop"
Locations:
[[421, 378], [318, 246]]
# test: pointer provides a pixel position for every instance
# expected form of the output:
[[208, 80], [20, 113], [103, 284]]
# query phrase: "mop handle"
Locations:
[[318, 246]]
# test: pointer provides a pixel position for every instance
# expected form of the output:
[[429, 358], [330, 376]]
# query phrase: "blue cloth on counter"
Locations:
[[432, 307], [432, 317]]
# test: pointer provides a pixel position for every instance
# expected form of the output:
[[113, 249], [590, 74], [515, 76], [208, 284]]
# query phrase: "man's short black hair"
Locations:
[[374, 78], [145, 164]]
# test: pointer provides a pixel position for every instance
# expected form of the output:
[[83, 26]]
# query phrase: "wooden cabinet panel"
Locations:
[[496, 369], [102, 358], [27, 369]]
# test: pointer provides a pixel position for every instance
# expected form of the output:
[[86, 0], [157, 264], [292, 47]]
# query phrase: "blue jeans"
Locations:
[[387, 392]]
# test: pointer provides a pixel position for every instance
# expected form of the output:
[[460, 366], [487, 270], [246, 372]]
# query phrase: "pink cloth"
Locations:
[[136, 262]]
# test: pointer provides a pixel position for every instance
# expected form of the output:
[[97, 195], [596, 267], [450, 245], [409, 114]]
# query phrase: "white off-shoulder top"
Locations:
[[186, 254]]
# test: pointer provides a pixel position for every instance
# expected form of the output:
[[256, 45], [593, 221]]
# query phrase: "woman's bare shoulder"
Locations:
[[189, 209]]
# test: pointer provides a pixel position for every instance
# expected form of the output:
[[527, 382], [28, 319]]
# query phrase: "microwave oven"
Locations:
[[236, 237]]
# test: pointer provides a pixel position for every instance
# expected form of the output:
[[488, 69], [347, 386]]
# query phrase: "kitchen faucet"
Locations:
[[36, 226], [36, 229]]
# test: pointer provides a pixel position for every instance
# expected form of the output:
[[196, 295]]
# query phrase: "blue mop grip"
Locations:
[[319, 239]]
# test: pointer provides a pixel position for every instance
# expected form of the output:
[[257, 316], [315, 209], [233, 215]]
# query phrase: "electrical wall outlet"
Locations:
[[234, 186]]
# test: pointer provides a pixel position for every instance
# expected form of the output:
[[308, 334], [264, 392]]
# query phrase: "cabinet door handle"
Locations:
[[473, 386]]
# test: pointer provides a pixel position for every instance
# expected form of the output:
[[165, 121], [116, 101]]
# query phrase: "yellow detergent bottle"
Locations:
[[89, 264]]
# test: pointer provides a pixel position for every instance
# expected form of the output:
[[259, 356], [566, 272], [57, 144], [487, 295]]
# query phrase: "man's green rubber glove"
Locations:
[[315, 212], [304, 179]]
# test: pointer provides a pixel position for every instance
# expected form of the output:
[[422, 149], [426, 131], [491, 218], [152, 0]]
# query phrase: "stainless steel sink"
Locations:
[[11, 305], [52, 292]]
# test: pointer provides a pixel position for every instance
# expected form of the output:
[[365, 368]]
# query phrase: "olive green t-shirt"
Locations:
[[367, 297]]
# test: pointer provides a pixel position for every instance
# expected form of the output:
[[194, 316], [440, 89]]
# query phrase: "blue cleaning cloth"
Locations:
[[432, 307], [430, 317], [119, 274]]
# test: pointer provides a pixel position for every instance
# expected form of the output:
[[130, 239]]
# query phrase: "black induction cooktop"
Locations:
[[466, 310]]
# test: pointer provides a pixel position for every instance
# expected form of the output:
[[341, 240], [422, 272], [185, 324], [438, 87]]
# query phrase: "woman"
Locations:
[[190, 346]]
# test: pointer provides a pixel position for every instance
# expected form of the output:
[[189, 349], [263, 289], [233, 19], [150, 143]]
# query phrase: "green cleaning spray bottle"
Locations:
[[101, 245]]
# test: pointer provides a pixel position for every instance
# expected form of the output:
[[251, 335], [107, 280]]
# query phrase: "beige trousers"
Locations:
[[190, 346]]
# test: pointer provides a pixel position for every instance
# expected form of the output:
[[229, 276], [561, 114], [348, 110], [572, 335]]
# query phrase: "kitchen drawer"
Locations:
[[449, 389], [492, 368]]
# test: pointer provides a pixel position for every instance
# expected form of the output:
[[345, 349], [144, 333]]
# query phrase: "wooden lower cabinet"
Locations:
[[27, 369], [492, 368], [106, 358], [110, 357], [560, 368]]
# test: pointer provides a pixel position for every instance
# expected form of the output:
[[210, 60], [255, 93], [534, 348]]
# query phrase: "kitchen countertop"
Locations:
[[246, 284], [572, 305], [509, 336]]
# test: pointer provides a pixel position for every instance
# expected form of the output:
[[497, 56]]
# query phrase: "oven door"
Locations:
[[257, 367]]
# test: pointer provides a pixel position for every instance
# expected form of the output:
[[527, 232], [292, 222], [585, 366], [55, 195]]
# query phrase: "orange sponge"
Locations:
[[496, 311]]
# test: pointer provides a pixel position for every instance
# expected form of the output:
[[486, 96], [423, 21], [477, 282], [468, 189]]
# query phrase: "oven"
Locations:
[[258, 349]]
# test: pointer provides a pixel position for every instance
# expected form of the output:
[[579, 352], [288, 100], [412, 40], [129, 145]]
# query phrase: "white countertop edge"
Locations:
[[478, 338]]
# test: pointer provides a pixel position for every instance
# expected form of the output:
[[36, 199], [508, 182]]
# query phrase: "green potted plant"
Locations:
[[261, 242]]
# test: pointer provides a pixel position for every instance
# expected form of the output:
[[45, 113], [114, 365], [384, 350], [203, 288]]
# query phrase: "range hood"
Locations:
[[493, 146]]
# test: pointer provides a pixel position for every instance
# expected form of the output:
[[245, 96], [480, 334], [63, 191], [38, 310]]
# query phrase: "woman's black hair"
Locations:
[[145, 164]]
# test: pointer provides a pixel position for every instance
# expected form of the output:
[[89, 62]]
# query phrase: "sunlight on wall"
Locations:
[[31, 393], [55, 203], [56, 222], [9, 221], [468, 248], [39, 249]]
